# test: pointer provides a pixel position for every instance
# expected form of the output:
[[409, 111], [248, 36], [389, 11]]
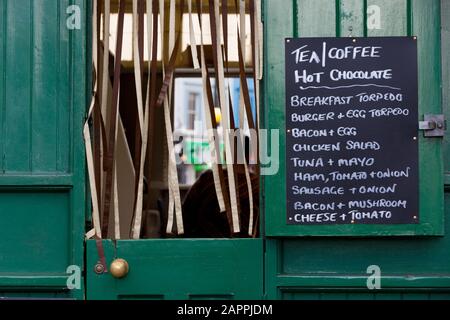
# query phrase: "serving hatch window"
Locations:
[[152, 161]]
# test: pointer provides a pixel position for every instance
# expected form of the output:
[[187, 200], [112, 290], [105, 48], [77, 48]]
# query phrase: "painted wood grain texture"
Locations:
[[351, 18], [42, 172], [445, 21], [333, 262], [329, 18], [395, 17]]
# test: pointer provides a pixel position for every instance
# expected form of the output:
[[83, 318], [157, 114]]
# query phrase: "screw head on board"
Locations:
[[99, 268]]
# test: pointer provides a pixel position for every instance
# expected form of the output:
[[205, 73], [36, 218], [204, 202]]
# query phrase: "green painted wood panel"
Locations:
[[339, 263], [17, 91], [36, 110], [34, 245], [445, 12], [44, 295], [351, 18], [45, 73], [42, 170], [222, 269], [417, 17], [2, 78], [308, 25], [352, 294], [396, 17], [395, 256]]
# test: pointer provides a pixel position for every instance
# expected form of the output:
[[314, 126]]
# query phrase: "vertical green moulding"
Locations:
[[426, 25], [445, 21], [16, 139], [78, 40], [89, 91], [278, 26], [350, 18], [44, 86], [279, 23], [2, 78], [64, 111]]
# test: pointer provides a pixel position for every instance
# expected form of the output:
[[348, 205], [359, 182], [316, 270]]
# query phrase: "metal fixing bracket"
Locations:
[[434, 125]]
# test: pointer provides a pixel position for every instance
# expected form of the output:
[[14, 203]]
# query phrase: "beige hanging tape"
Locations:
[[166, 93], [116, 204], [260, 42], [137, 64], [193, 43], [226, 124], [106, 31], [137, 225], [87, 137], [91, 173]]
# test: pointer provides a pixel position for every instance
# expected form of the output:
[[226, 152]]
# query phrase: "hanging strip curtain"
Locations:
[[162, 21]]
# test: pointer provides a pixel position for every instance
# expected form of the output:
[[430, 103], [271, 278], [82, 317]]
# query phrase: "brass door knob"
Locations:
[[119, 268]]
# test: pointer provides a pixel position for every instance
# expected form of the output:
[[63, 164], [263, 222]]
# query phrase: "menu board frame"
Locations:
[[430, 222]]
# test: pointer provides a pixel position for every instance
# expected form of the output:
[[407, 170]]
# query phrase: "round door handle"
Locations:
[[119, 268]]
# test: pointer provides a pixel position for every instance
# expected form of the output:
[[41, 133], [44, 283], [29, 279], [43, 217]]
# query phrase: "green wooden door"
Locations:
[[336, 267], [42, 189], [42, 175], [193, 269]]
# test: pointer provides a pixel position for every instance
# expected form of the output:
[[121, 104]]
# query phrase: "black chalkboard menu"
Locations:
[[352, 131]]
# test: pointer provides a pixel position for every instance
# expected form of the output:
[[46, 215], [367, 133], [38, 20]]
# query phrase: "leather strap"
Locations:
[[235, 148], [199, 5], [153, 73], [172, 25], [240, 16], [253, 38], [221, 174], [110, 159], [244, 86], [213, 30], [101, 254], [169, 70], [98, 121], [141, 15]]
